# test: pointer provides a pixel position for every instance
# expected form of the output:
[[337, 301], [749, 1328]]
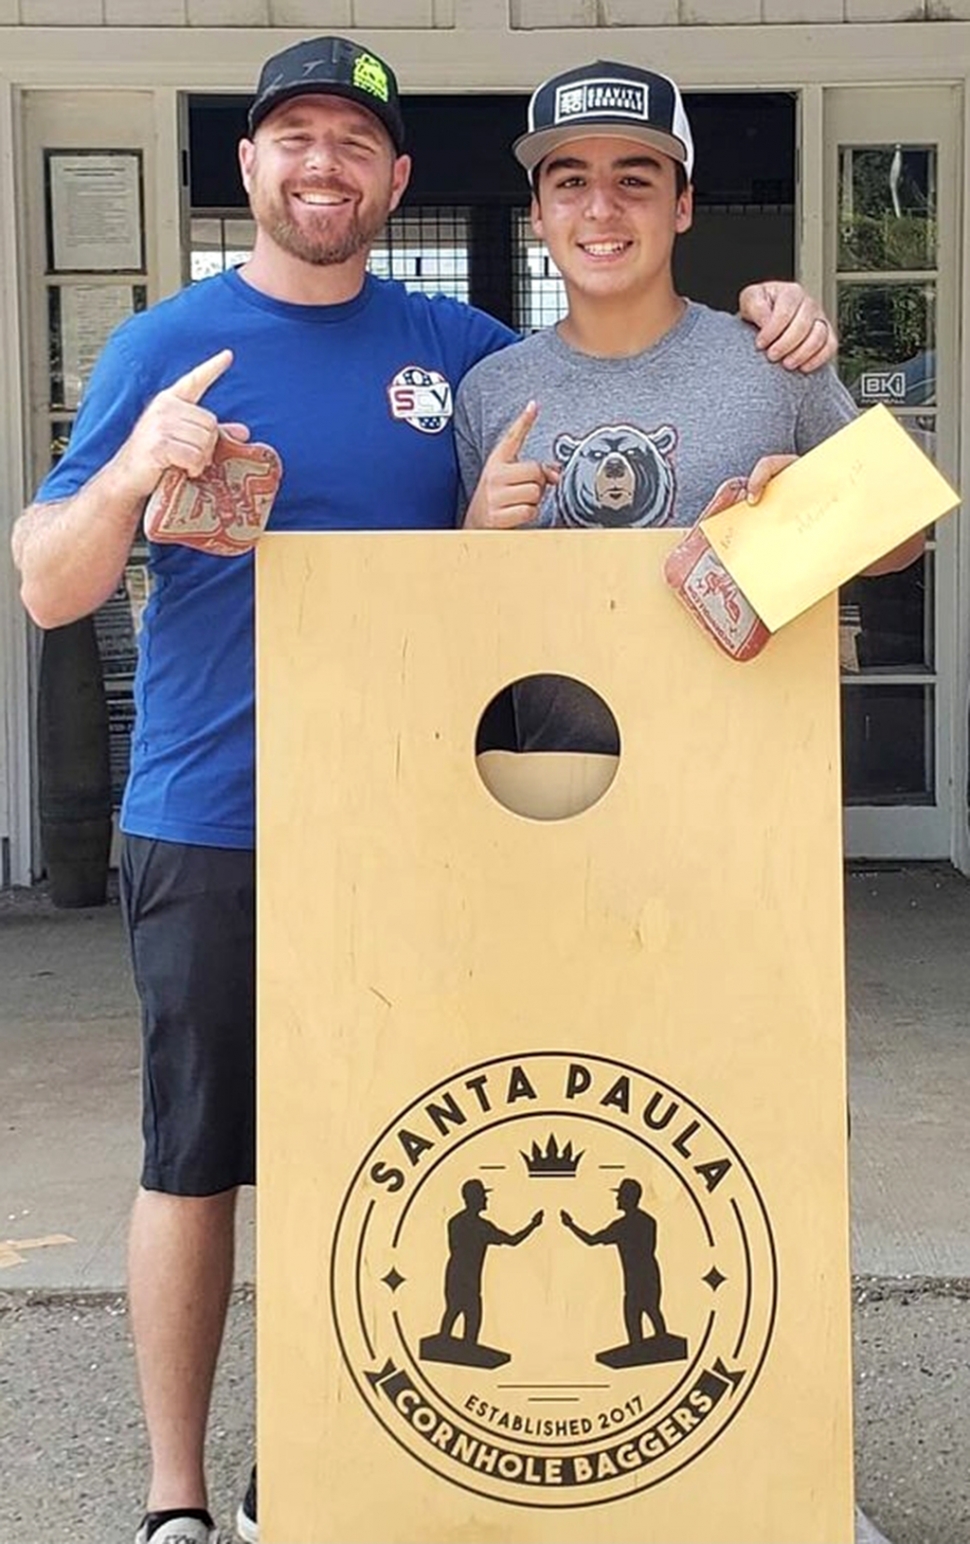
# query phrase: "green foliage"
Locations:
[[883, 324], [886, 241]]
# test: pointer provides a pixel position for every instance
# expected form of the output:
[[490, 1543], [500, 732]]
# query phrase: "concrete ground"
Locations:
[[72, 1463]]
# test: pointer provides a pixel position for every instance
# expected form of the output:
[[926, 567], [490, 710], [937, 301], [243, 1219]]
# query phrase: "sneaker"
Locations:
[[181, 1530], [866, 1531], [247, 1528]]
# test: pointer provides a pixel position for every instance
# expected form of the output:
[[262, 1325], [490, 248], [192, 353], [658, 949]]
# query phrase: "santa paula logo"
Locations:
[[423, 398], [554, 1280]]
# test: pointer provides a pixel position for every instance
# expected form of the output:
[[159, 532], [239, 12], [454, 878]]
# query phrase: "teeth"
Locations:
[[603, 248], [319, 198]]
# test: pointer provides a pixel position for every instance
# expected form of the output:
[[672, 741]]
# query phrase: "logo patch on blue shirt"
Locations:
[[422, 398]]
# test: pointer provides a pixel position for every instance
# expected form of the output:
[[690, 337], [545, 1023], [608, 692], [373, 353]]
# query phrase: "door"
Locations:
[[92, 166], [892, 253]]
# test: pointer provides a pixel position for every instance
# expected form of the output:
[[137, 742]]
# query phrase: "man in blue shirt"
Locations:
[[351, 379]]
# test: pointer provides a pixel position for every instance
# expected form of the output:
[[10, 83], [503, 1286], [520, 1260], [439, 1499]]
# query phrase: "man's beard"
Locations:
[[326, 249]]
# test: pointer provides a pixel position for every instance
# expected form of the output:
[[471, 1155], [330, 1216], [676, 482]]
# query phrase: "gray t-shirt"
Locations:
[[640, 441]]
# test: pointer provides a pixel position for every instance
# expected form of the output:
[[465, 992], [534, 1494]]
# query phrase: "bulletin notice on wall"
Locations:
[[82, 318], [95, 211], [117, 624]]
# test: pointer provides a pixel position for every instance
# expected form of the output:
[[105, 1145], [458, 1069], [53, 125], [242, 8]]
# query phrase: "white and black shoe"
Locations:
[[866, 1532], [192, 1527], [247, 1528]]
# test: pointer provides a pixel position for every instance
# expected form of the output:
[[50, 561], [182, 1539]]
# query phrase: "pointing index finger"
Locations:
[[510, 445], [193, 385]]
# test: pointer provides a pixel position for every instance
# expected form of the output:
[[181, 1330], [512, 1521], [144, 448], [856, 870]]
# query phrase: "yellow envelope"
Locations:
[[829, 515]]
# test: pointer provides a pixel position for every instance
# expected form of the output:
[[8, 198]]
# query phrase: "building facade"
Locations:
[[831, 145]]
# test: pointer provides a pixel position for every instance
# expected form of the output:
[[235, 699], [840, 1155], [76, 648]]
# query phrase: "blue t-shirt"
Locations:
[[357, 400]]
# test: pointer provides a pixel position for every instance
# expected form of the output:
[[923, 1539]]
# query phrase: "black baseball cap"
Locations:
[[605, 98], [331, 67]]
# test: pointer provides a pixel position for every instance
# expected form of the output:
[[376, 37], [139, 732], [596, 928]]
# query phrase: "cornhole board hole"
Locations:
[[553, 1236]]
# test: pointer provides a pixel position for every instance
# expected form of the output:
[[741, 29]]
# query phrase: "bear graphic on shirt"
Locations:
[[616, 476]]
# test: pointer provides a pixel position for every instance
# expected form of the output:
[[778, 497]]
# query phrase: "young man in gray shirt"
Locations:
[[639, 404]]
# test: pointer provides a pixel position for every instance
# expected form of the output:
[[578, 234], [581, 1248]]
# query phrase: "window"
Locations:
[[426, 248]]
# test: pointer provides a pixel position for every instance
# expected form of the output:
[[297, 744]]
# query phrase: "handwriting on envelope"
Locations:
[[828, 516]]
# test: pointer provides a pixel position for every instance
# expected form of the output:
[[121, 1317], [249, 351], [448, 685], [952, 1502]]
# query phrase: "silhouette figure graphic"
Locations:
[[634, 1233], [470, 1235]]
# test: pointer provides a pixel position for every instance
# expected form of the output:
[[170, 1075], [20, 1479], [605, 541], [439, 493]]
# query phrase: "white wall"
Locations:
[[327, 15]]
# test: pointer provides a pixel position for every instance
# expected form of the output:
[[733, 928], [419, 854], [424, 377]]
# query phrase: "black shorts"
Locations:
[[190, 915]]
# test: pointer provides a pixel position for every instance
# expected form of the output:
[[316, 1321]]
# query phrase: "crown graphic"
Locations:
[[554, 1163]]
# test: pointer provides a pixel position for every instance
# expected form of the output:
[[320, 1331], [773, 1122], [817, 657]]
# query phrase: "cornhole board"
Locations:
[[552, 1223]]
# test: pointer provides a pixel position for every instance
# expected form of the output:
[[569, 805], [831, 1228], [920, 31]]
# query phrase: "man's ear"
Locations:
[[535, 215], [247, 155], [400, 178], [684, 214]]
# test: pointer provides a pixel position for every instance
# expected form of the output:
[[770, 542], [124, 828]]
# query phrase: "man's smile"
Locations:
[[320, 198], [604, 248]]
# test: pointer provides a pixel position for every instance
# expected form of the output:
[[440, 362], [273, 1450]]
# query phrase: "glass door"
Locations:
[[892, 210]]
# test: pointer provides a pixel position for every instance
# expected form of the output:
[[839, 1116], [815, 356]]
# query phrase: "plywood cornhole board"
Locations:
[[631, 1019]]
